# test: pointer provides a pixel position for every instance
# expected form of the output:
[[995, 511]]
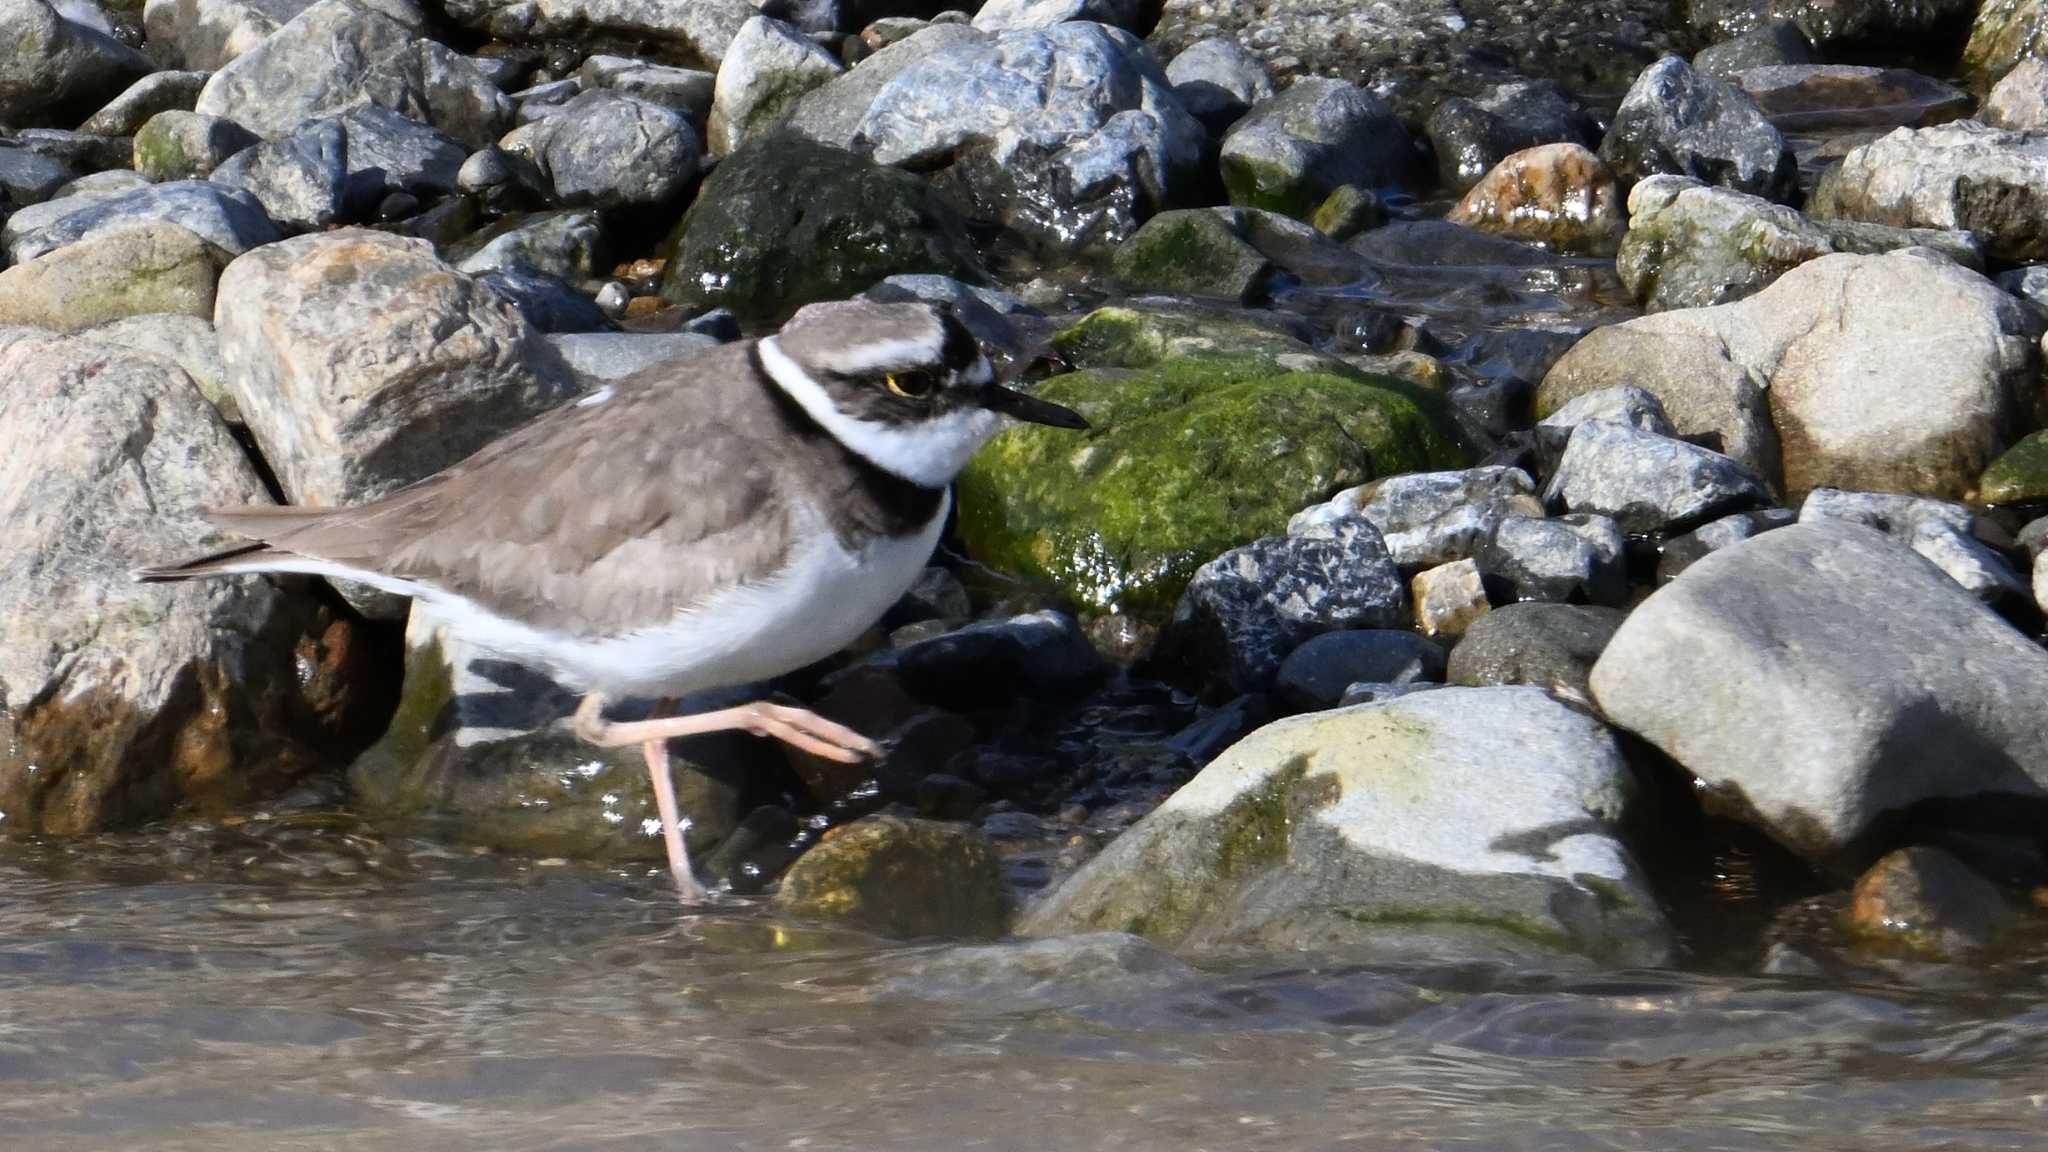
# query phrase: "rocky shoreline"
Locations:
[[1550, 498]]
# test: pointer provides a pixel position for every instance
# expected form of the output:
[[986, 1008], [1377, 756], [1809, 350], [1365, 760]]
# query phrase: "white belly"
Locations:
[[819, 603]]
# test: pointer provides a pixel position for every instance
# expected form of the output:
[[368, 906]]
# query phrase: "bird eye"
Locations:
[[910, 385]]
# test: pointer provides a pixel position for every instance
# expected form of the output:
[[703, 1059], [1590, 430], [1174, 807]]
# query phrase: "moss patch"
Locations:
[[1193, 451], [2021, 474]]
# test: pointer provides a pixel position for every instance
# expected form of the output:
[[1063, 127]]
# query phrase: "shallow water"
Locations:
[[290, 986]]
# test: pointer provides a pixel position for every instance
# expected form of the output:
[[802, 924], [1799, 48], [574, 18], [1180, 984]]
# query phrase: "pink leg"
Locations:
[[687, 888], [796, 727]]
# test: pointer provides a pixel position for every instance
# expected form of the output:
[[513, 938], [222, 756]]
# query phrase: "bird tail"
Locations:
[[258, 521]]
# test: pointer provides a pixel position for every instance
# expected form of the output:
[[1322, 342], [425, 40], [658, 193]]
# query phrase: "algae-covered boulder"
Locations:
[[784, 222], [900, 877], [1206, 432], [2021, 474], [1457, 822]]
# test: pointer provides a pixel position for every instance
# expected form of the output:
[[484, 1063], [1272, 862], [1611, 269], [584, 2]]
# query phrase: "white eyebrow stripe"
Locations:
[[881, 354]]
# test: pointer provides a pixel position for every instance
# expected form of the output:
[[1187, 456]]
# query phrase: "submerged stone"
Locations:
[[900, 877]]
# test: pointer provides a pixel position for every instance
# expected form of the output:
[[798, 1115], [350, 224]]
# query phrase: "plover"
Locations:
[[706, 523]]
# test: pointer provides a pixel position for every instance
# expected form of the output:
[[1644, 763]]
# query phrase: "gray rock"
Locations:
[[2029, 283], [98, 186], [26, 178], [990, 314], [1319, 672], [2020, 101], [1625, 404], [1195, 252], [1506, 842], [1578, 558], [1646, 482], [186, 145], [1944, 533], [1677, 553], [73, 197], [1366, 692], [547, 303], [768, 67], [123, 701], [1472, 136], [1778, 42], [302, 180], [1549, 646], [616, 355], [1823, 676], [612, 151], [186, 341], [56, 72], [566, 245], [984, 664], [1218, 81], [693, 34], [150, 266], [1897, 373], [1676, 121], [230, 220], [1068, 136], [206, 34], [1291, 151], [832, 113], [362, 363], [1244, 611], [390, 152], [154, 93], [1099, 968], [1011, 15], [1960, 175], [1413, 500], [1689, 245], [685, 91], [339, 54], [81, 151], [544, 100]]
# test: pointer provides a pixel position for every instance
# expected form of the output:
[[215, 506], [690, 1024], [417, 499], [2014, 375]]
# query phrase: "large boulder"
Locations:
[[56, 72], [1676, 121], [767, 69], [1067, 136], [832, 113], [900, 877], [1467, 822], [1205, 435], [206, 34], [338, 54], [133, 271], [784, 222], [611, 150], [362, 363], [1893, 373], [1822, 678], [1690, 245], [2004, 33], [119, 702], [1294, 149], [1965, 175]]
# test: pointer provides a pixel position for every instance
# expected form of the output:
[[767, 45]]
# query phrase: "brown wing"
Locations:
[[595, 517]]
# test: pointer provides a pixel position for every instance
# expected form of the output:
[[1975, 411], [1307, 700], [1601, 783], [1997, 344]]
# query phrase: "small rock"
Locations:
[[547, 303], [1550, 646], [1218, 81], [1646, 482], [1677, 553], [26, 178], [985, 664], [1448, 599], [1626, 404], [611, 150], [1245, 610], [1472, 136], [205, 34], [767, 69], [146, 267], [1577, 559], [1927, 902], [832, 113], [1557, 195], [389, 152], [1414, 500], [1944, 533], [544, 100], [57, 71], [2020, 101], [1347, 211], [1317, 674], [900, 878], [2002, 36], [1676, 121], [937, 595], [1823, 676], [1777, 42], [302, 180], [154, 93], [685, 91], [1504, 842], [1292, 150], [568, 245], [1194, 252], [186, 145], [2019, 475]]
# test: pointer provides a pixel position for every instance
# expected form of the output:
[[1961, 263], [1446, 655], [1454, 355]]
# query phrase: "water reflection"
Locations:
[[309, 984]]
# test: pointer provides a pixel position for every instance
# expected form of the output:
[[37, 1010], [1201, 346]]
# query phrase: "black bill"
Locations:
[[1024, 406]]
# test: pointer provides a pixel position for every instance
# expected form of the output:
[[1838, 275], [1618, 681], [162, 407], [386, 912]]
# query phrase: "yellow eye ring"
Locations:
[[910, 387]]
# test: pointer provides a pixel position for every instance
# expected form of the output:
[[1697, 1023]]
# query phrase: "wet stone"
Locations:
[[2019, 475], [1319, 134], [1924, 901], [1549, 646], [1808, 98], [1472, 136], [1557, 195], [899, 877], [1778, 42], [1218, 81], [1676, 121], [768, 67], [610, 150], [26, 178], [1317, 674], [1193, 252], [547, 303], [984, 664], [568, 245]]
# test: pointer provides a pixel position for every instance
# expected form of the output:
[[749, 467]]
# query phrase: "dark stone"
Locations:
[[547, 303], [1552, 646], [1778, 42], [1316, 674], [987, 664], [1675, 120], [1473, 135]]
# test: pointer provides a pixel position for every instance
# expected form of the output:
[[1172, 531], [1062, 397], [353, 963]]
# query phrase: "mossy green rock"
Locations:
[[1195, 252], [785, 222], [900, 877], [1205, 433], [1478, 823], [2019, 475]]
